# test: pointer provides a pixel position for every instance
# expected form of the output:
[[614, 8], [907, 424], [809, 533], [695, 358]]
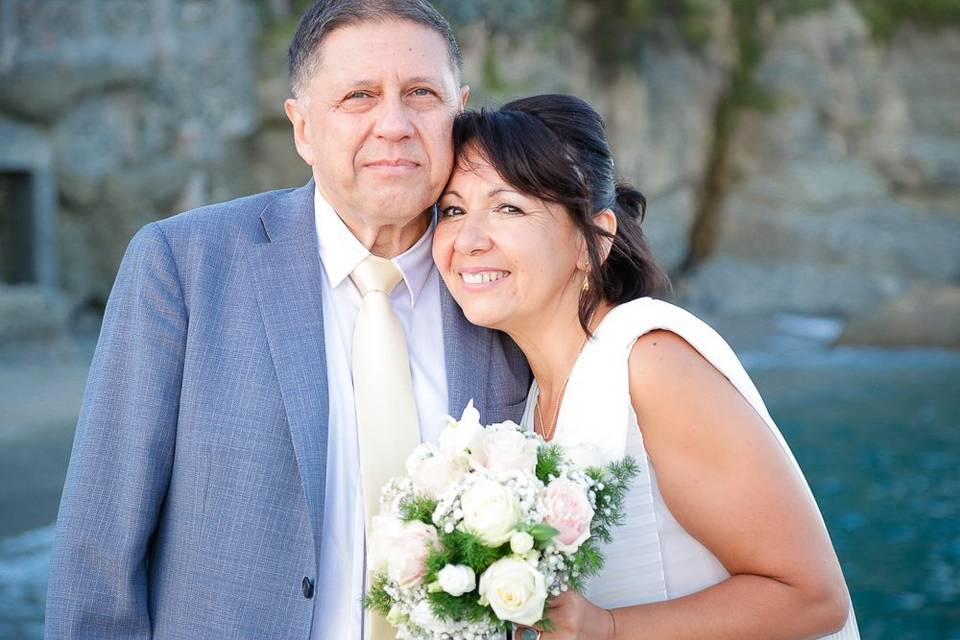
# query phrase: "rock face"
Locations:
[[928, 317], [840, 198], [140, 103], [844, 195]]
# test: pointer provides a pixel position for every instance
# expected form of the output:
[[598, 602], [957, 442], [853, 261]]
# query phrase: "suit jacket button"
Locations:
[[307, 588]]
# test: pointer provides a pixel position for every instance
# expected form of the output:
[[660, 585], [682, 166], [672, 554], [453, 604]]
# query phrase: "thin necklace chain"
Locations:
[[556, 411], [553, 421]]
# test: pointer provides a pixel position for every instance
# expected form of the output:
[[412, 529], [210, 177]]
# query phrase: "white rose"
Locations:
[[462, 437], [509, 450], [422, 451], [457, 579], [521, 542], [395, 616], [490, 511], [583, 455], [515, 590], [384, 531], [422, 616], [431, 471], [407, 557]]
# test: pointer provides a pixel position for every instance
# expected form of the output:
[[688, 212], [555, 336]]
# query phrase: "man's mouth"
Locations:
[[399, 163]]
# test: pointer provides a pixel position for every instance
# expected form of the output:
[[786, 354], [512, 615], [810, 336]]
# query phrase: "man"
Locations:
[[214, 487]]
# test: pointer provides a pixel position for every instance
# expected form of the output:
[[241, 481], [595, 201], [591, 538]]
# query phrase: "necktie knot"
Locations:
[[376, 274]]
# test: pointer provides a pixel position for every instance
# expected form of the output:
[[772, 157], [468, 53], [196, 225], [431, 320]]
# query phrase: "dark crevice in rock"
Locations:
[[741, 92], [710, 196]]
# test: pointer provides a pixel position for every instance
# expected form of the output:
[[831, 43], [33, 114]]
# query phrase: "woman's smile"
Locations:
[[482, 278]]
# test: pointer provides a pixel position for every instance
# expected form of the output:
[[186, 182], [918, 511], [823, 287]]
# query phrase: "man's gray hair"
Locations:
[[327, 15]]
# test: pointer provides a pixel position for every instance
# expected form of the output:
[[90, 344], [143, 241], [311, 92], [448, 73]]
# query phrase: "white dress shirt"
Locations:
[[416, 301]]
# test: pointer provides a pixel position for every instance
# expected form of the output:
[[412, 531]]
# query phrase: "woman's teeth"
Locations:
[[484, 277]]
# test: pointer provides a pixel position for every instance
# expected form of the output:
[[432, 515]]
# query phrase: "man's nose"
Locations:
[[393, 121], [474, 235]]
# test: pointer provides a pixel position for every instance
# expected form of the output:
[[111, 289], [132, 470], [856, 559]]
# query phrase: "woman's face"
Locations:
[[508, 258]]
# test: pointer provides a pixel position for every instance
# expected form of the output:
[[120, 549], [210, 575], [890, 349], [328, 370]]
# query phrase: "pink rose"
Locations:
[[568, 511], [385, 528], [509, 450], [432, 471], [406, 560]]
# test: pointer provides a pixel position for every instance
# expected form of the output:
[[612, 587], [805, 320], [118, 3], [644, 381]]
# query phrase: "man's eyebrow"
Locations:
[[366, 83], [423, 80]]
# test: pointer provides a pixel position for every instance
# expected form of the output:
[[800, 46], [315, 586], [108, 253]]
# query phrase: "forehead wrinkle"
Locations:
[[372, 82], [371, 46], [424, 80], [313, 61]]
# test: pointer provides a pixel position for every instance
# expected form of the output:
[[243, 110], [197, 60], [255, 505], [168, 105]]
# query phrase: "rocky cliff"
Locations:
[[834, 190]]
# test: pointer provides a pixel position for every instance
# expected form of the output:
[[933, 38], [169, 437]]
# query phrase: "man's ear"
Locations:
[[297, 115], [464, 96]]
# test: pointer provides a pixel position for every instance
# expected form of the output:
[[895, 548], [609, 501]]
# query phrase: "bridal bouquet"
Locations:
[[486, 526]]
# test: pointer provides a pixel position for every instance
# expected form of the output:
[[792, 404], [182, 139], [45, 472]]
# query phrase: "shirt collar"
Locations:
[[341, 252]]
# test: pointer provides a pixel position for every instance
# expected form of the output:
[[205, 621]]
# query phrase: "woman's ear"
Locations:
[[606, 220]]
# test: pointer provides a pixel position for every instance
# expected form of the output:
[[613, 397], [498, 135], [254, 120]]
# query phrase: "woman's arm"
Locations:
[[727, 481]]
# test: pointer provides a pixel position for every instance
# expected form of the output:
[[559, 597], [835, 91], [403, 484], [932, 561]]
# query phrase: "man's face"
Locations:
[[374, 122]]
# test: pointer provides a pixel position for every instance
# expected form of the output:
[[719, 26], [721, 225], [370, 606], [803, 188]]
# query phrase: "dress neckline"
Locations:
[[535, 387]]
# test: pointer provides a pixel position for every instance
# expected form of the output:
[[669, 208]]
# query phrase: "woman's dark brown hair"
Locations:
[[554, 147]]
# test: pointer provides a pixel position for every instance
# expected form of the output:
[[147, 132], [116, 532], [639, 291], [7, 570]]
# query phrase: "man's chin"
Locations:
[[401, 205]]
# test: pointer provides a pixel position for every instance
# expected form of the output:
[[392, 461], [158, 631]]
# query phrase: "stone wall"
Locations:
[[845, 196], [147, 107], [841, 198]]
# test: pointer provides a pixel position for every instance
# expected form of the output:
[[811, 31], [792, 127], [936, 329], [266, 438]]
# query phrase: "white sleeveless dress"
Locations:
[[652, 558]]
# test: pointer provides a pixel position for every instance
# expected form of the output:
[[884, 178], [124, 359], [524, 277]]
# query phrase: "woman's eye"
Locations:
[[449, 212], [509, 208]]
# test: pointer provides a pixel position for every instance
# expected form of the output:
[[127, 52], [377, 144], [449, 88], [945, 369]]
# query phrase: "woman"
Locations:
[[723, 538]]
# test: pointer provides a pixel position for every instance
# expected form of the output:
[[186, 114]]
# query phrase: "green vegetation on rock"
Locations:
[[884, 16], [617, 30]]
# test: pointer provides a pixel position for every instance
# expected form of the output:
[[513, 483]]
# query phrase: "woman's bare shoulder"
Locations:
[[662, 357]]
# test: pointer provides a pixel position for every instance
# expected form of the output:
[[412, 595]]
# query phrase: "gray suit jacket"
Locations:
[[193, 503]]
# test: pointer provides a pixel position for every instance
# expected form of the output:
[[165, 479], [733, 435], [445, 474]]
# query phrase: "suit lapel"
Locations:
[[467, 355], [286, 272]]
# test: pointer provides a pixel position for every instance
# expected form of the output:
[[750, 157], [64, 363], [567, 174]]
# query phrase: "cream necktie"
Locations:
[[387, 426]]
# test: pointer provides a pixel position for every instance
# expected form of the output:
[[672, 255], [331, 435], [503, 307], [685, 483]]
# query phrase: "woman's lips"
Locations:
[[482, 277]]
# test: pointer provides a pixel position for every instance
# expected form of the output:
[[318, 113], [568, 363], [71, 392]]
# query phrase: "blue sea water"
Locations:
[[878, 436]]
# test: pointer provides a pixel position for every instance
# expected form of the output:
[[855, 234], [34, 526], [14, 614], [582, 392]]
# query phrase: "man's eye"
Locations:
[[449, 212], [358, 95]]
